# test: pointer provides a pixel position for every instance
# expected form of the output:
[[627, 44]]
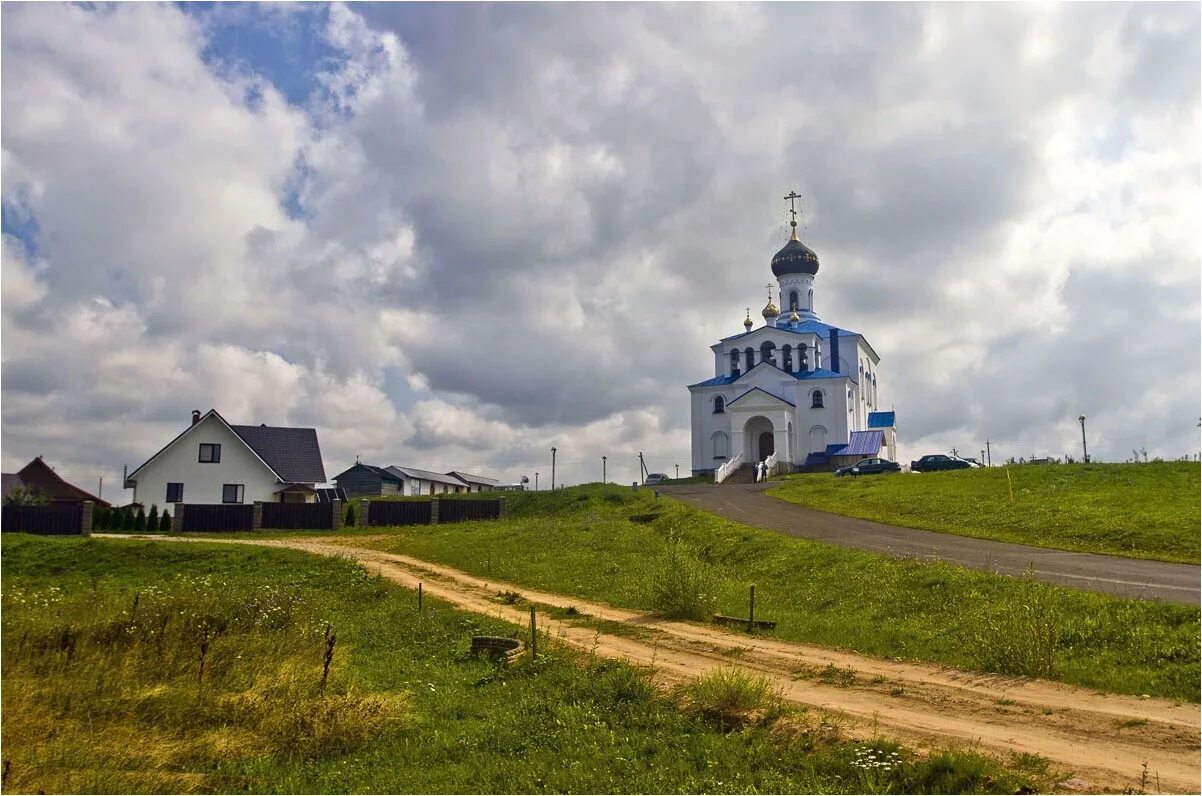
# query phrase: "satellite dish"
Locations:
[[525, 480]]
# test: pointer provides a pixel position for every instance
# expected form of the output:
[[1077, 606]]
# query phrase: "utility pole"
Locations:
[[982, 457], [642, 469], [603, 458], [988, 455], [1084, 450], [100, 488], [553, 467], [678, 472], [536, 482]]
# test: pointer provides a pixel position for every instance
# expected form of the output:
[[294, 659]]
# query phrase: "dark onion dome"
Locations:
[[795, 258]]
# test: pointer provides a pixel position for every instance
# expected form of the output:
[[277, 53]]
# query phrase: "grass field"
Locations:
[[615, 545], [1138, 510], [134, 667]]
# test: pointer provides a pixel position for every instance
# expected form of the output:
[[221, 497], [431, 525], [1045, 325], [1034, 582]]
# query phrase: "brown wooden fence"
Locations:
[[54, 519], [201, 518], [399, 512], [298, 516], [460, 510]]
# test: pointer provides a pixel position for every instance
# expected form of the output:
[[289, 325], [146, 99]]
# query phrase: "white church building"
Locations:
[[795, 392]]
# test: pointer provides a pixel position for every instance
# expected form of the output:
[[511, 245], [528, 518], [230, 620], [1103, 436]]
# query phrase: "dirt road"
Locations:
[[1102, 738], [1122, 577]]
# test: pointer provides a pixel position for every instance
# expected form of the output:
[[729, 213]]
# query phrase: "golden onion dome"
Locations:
[[770, 311], [747, 324], [794, 317]]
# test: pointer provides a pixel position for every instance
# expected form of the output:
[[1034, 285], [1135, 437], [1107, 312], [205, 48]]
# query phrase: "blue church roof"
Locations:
[[862, 443], [818, 373], [717, 381], [808, 326], [881, 419]]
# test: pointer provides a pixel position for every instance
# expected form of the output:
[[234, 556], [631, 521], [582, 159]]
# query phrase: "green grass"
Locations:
[[104, 691], [1137, 510], [613, 545]]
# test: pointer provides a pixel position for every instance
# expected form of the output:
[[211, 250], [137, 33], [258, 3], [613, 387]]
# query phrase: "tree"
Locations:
[[350, 515], [152, 519], [140, 521], [26, 496], [127, 519], [165, 522]]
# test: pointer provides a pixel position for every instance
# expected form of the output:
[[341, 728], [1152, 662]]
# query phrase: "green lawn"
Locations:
[[141, 667], [612, 544], [1138, 510]]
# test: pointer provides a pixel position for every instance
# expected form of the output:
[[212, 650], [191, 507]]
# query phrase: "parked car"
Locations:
[[869, 466], [655, 479], [938, 461]]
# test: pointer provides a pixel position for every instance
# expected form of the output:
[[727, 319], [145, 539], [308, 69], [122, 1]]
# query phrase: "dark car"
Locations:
[[868, 466], [938, 461]]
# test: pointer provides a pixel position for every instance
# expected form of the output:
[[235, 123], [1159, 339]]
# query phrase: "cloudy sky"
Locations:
[[453, 236]]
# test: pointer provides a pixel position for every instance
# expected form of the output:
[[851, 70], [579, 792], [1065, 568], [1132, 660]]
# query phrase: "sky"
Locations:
[[454, 236]]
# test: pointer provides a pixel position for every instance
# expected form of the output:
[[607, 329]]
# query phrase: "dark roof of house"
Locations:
[[292, 452], [382, 472], [9, 482], [474, 479], [40, 475], [426, 475]]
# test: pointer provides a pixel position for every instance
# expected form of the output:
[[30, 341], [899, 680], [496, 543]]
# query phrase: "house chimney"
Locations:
[[834, 349], [195, 416]]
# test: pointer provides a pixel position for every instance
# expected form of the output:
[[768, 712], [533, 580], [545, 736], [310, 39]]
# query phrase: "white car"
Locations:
[[655, 479]]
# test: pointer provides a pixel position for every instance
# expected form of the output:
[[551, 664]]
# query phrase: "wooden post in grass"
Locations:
[[533, 636], [751, 611], [419, 598]]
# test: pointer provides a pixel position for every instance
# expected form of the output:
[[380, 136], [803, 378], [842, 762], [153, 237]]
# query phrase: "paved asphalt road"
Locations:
[[1123, 577]]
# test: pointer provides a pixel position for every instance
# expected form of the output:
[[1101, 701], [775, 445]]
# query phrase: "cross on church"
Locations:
[[791, 199], [769, 286]]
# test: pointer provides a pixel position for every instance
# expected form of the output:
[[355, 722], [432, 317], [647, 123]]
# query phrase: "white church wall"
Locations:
[[832, 416], [705, 424]]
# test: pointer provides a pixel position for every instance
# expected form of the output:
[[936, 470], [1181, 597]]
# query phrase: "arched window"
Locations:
[[734, 362], [721, 445], [810, 301], [816, 401], [793, 300], [802, 363], [749, 355], [787, 358], [768, 352], [719, 405]]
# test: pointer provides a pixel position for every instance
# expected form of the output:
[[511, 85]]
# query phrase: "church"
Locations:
[[796, 392]]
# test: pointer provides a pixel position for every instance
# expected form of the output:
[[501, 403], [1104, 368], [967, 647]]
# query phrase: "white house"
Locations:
[[475, 483], [212, 461], [797, 387]]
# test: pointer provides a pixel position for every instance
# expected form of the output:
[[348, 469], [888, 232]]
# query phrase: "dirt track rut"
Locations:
[[1102, 738]]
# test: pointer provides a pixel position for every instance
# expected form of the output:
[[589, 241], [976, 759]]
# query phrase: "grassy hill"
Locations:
[[627, 548], [1137, 510], [135, 667]]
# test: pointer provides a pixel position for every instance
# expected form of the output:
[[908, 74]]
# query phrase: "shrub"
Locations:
[[140, 521], [1017, 633], [152, 519], [127, 519], [733, 698], [165, 522], [684, 587], [350, 516]]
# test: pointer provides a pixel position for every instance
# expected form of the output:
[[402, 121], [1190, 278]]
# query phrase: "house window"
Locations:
[[734, 362], [232, 493], [768, 352], [210, 452], [719, 405], [816, 400], [175, 493]]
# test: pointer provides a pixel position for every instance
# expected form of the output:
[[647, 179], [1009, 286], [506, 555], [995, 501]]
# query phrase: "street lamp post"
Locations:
[[603, 458], [678, 472], [553, 467], [536, 482], [1084, 450]]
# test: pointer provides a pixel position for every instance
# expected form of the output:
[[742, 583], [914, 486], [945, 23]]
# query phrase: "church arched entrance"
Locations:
[[767, 445], [759, 440]]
